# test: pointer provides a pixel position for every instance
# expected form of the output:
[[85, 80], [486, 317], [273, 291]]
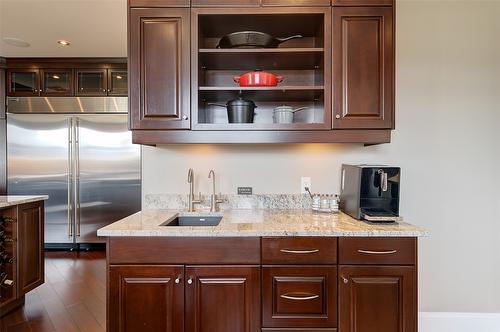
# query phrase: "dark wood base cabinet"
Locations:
[[301, 284], [21, 253]]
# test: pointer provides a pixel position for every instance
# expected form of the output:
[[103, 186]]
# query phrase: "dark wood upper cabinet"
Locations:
[[159, 68], [117, 82], [91, 82], [377, 298], [146, 298], [23, 82], [30, 246], [363, 68], [56, 82], [223, 298]]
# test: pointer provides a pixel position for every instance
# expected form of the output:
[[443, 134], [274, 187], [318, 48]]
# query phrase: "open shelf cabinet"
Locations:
[[302, 62]]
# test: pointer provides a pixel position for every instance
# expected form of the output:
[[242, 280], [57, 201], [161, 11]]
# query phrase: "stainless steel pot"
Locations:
[[284, 114], [239, 110]]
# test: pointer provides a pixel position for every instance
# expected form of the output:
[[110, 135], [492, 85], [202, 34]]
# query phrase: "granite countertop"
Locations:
[[268, 222], [6, 201]]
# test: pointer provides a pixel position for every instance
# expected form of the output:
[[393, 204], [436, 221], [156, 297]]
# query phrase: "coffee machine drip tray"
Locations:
[[379, 215]]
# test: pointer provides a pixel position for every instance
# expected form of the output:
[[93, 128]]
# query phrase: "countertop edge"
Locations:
[[13, 200]]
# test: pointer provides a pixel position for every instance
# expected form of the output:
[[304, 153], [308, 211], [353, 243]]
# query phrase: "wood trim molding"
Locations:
[[153, 137]]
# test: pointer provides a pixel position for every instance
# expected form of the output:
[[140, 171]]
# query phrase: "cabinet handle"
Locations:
[[178, 280], [292, 251], [371, 252], [190, 280], [345, 280], [299, 298], [337, 116]]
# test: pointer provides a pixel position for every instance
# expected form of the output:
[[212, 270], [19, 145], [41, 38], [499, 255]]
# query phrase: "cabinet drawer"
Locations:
[[378, 250], [183, 250], [299, 296], [225, 3], [159, 3], [298, 330], [299, 250]]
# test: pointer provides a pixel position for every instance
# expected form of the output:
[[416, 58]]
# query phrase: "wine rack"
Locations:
[[8, 255]]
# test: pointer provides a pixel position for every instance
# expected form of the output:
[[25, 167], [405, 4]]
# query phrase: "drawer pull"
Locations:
[[299, 298], [291, 251], [370, 252]]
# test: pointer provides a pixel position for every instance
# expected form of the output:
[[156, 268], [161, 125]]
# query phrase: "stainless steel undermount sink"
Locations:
[[194, 220]]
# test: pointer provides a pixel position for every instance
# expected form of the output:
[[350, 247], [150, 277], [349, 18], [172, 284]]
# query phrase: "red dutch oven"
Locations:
[[258, 78]]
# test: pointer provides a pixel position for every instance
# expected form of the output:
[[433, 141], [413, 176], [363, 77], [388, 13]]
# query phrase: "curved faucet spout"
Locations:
[[190, 175]]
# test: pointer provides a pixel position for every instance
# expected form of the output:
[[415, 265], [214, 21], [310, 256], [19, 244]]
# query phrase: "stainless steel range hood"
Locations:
[[68, 105]]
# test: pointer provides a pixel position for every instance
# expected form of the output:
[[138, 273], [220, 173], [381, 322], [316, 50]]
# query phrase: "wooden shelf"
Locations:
[[262, 88], [263, 94], [261, 58], [263, 50]]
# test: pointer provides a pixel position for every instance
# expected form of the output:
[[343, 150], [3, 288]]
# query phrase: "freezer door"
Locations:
[[38, 163], [108, 175]]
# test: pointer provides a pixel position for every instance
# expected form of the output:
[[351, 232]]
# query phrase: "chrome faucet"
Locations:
[[191, 199], [213, 198]]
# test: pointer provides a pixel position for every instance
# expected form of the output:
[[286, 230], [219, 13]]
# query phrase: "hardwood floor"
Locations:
[[73, 297]]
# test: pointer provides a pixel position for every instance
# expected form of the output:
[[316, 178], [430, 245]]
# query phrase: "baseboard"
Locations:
[[458, 322]]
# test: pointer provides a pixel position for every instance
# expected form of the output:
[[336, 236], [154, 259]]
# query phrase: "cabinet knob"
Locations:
[[185, 117], [337, 116], [178, 280], [190, 280], [345, 280]]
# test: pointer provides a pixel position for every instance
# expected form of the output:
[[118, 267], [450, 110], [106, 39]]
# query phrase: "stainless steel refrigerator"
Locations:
[[79, 152]]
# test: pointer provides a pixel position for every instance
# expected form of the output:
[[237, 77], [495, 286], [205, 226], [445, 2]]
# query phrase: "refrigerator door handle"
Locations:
[[77, 176], [70, 177]]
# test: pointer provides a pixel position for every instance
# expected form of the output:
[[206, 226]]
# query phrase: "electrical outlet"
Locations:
[[305, 181]]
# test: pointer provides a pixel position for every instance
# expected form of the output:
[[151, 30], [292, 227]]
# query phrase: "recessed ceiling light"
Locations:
[[63, 42], [15, 42]]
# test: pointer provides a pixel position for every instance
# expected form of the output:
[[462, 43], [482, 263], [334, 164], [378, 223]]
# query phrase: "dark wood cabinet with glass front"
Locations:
[[64, 77]]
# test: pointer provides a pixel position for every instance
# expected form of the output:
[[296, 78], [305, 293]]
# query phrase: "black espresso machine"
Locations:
[[370, 192]]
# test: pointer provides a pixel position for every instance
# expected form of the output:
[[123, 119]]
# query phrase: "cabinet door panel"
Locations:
[[56, 82], [30, 246], [23, 82], [117, 82], [159, 59], [299, 296], [223, 299], [363, 67], [377, 298], [145, 298], [91, 82]]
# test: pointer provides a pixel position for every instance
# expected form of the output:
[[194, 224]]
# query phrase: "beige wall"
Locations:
[[447, 142]]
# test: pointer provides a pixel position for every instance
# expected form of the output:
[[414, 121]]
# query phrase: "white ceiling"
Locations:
[[95, 28]]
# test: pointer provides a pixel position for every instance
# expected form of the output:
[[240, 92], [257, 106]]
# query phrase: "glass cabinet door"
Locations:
[[57, 82], [23, 82], [117, 82], [91, 82]]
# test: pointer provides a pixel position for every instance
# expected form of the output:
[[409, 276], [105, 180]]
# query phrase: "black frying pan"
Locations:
[[251, 39]]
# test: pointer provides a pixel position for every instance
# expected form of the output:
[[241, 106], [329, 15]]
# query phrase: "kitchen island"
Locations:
[[21, 248], [261, 270]]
